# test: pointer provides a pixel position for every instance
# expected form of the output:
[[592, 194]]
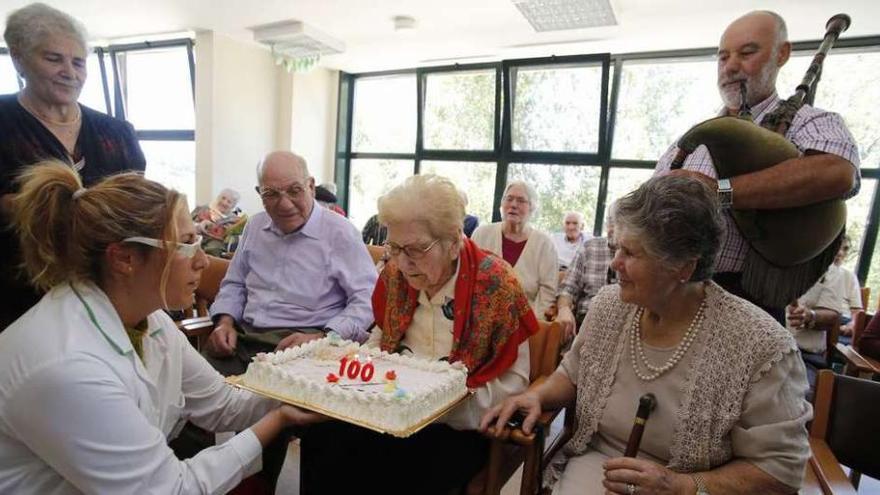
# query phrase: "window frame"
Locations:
[[611, 82]]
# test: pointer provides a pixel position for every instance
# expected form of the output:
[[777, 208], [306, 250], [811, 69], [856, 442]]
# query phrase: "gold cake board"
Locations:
[[238, 381]]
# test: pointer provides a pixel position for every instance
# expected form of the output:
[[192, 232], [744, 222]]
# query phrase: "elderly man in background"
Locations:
[[298, 273], [753, 49], [590, 270], [570, 239]]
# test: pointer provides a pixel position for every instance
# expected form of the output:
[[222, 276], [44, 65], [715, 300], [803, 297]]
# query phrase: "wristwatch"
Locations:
[[725, 193], [701, 484]]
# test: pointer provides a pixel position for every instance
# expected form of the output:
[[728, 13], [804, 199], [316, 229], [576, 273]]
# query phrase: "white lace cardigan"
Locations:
[[742, 344]]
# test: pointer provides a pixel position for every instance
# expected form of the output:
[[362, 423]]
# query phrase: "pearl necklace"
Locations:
[[636, 348]]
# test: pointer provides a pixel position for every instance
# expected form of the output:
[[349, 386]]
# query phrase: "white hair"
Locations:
[[530, 192], [30, 25], [578, 215], [288, 155], [429, 199], [232, 193]]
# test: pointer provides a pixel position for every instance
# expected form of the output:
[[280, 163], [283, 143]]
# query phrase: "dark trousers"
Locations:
[[252, 341], [339, 458], [732, 282]]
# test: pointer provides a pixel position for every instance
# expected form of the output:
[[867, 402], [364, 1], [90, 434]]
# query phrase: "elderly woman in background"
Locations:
[[90, 408], [44, 120], [439, 297], [213, 221], [728, 380], [530, 252]]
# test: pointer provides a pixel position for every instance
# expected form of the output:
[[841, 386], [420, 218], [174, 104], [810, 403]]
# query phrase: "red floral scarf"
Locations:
[[492, 314]]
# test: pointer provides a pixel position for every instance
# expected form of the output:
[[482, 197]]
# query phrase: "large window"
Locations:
[[475, 179], [660, 100], [581, 134], [371, 179], [8, 81], [385, 114], [460, 110], [155, 94], [453, 121], [556, 108], [92, 94], [560, 189]]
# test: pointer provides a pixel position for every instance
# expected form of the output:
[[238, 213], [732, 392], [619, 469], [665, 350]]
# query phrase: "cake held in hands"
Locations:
[[386, 392]]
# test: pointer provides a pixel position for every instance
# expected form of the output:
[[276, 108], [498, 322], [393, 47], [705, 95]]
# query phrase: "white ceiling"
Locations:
[[456, 30]]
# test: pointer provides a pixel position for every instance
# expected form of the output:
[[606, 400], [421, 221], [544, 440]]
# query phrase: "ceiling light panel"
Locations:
[[559, 15], [296, 39]]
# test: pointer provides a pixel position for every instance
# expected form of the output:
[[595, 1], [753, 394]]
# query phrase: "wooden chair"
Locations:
[[505, 456], [857, 364], [823, 360], [866, 297], [844, 430], [376, 252], [200, 326]]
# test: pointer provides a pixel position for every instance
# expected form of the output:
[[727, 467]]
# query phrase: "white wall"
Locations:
[[242, 101], [247, 106], [313, 120]]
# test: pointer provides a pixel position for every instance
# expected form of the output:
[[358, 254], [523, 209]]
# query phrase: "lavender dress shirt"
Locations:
[[319, 276]]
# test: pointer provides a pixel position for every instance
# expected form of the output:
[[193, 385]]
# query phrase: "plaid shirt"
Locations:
[[811, 129], [589, 272]]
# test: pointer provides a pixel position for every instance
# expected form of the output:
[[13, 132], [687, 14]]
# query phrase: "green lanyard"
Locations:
[[136, 336]]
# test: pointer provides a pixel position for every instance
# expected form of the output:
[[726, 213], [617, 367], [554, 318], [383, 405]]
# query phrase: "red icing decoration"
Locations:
[[332, 378], [354, 368], [342, 363], [367, 372], [390, 375]]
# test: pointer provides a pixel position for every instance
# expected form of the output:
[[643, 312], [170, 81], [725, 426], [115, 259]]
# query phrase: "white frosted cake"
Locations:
[[386, 392]]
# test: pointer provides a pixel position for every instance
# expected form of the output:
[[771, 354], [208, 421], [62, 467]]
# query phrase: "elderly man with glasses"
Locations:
[[299, 272]]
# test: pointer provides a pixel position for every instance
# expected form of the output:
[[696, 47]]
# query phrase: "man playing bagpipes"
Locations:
[[769, 184]]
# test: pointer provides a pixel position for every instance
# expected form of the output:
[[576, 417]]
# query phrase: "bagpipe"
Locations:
[[789, 248]]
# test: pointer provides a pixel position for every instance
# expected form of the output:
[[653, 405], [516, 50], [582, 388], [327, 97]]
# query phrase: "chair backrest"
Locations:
[[209, 285], [845, 416], [832, 335], [376, 252], [866, 297], [860, 321], [544, 349]]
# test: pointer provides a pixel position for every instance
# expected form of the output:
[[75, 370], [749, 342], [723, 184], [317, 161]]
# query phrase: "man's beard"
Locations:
[[758, 87]]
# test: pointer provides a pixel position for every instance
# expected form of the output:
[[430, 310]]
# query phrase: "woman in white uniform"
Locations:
[[96, 378]]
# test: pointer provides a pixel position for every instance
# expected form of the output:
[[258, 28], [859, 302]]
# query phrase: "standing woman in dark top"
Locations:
[[44, 120]]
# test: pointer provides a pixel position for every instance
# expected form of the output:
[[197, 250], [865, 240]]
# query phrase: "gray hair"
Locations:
[[429, 199], [580, 216], [232, 193], [530, 192], [677, 220], [28, 26], [300, 161]]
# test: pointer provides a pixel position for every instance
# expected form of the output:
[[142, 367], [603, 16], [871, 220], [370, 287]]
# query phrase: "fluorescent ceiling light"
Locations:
[[296, 39], [558, 15]]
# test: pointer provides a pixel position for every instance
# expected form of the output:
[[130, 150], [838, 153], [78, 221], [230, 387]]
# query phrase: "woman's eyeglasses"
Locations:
[[186, 249], [515, 199], [412, 252]]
